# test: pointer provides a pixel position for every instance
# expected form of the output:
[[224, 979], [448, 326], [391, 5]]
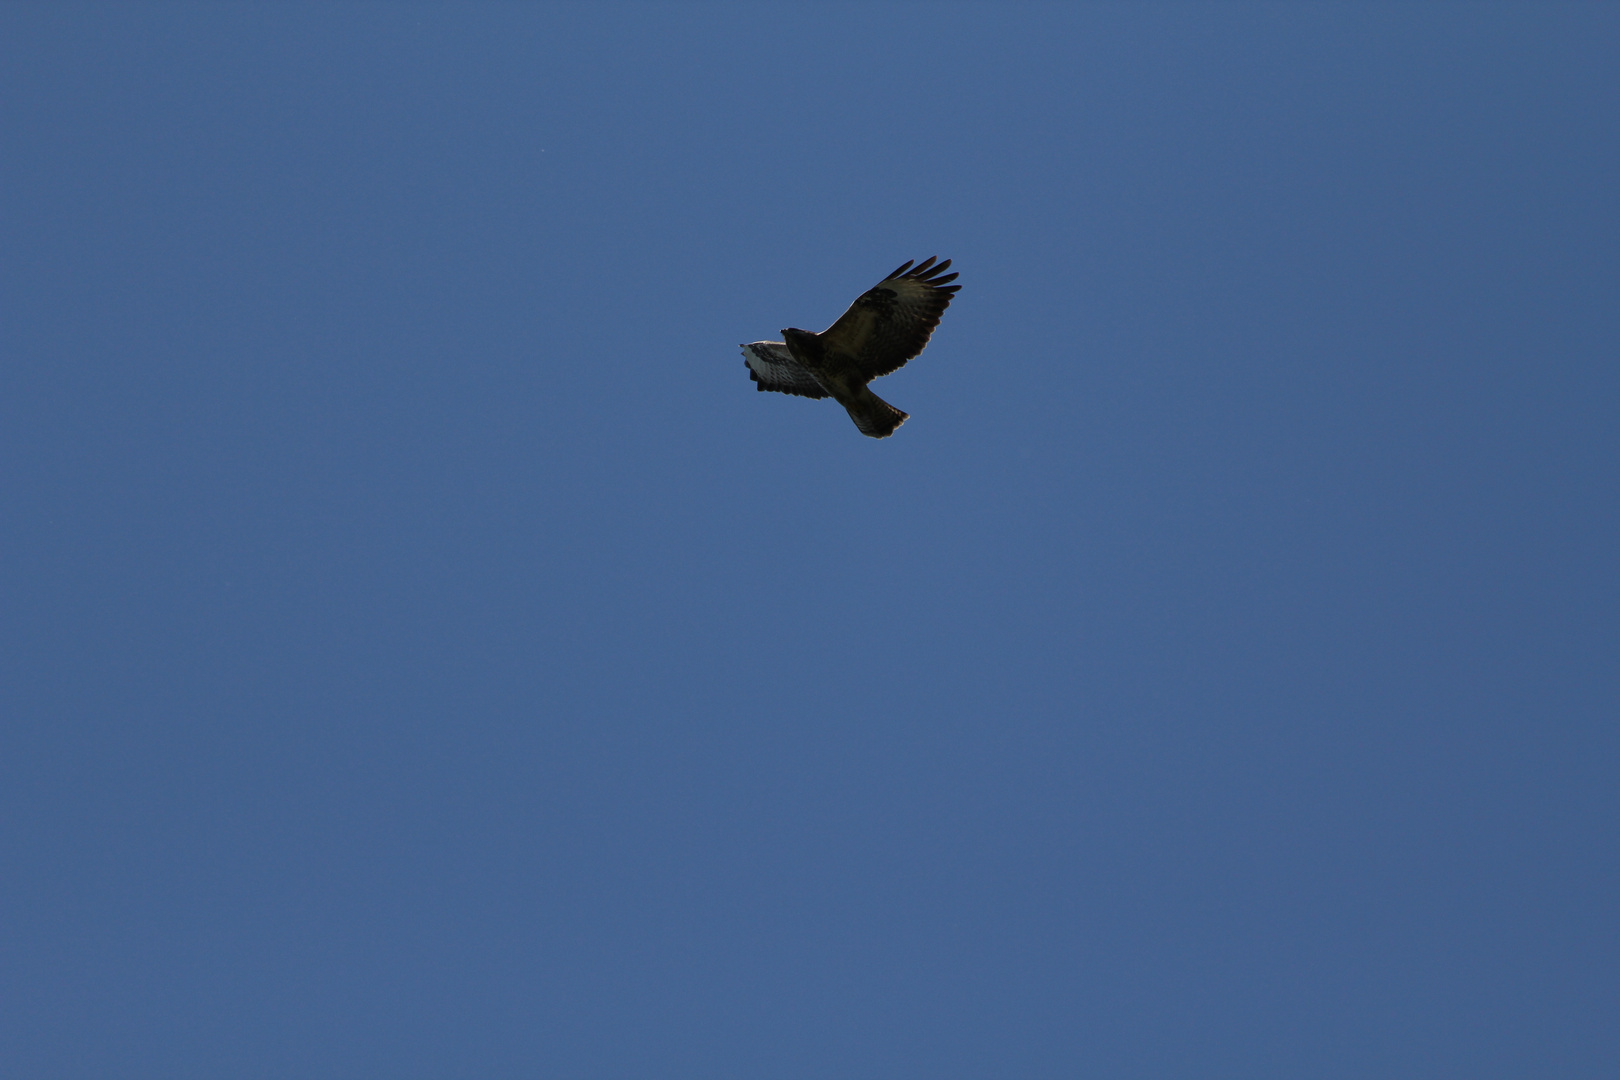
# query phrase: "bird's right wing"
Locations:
[[892, 321], [772, 367]]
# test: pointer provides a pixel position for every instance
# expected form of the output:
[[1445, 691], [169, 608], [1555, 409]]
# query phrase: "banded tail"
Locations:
[[874, 416]]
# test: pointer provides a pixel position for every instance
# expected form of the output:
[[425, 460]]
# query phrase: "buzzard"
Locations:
[[888, 325]]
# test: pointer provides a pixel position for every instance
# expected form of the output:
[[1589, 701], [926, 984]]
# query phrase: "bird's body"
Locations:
[[888, 325]]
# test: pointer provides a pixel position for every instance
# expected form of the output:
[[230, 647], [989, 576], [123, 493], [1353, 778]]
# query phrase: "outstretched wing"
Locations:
[[892, 321], [772, 367]]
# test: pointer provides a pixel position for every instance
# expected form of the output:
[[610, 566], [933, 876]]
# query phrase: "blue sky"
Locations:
[[426, 655]]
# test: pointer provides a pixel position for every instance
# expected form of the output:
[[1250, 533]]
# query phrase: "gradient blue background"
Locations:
[[426, 655]]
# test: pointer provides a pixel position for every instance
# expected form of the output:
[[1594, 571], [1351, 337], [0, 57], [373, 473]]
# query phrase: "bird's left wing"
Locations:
[[772, 367], [892, 321]]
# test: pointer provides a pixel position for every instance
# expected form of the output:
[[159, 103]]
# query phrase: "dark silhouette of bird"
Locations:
[[889, 324]]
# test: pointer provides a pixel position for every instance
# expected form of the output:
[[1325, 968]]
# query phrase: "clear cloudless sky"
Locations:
[[423, 653]]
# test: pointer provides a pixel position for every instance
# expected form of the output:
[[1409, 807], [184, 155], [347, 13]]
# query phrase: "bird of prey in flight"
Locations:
[[888, 325]]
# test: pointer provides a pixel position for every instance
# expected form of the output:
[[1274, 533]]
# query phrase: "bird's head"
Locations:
[[803, 344]]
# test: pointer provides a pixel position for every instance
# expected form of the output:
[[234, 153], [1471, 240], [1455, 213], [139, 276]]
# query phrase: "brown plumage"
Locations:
[[887, 325]]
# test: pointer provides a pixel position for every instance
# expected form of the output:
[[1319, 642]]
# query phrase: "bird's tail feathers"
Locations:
[[874, 416]]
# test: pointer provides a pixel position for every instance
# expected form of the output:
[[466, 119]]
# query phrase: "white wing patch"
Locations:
[[772, 367]]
